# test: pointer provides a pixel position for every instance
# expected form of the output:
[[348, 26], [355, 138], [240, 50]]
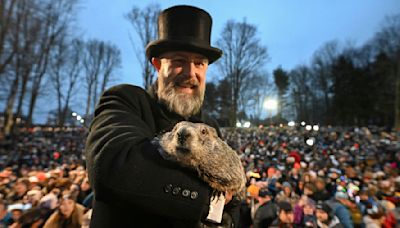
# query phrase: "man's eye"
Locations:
[[199, 63]]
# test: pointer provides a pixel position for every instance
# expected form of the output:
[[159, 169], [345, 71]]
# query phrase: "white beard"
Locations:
[[183, 104]]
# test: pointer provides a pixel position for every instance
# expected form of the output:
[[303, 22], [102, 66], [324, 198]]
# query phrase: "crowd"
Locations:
[[43, 181], [344, 177], [326, 177]]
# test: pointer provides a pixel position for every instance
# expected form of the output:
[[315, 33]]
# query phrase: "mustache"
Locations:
[[184, 81]]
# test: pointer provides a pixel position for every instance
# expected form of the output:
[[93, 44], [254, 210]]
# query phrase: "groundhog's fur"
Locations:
[[198, 146]]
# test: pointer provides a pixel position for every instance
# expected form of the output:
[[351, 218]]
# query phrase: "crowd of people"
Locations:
[[347, 177], [43, 180], [343, 177]]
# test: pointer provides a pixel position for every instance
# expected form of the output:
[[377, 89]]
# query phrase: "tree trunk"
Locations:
[[9, 111], [397, 98], [89, 98], [18, 113]]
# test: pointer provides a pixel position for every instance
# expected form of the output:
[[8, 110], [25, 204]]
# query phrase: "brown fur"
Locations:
[[198, 146]]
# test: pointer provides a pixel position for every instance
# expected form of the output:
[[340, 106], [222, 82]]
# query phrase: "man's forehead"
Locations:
[[182, 54]]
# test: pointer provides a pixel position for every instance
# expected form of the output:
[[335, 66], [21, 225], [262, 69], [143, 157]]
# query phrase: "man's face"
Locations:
[[181, 81], [321, 215], [286, 216], [20, 188], [308, 210]]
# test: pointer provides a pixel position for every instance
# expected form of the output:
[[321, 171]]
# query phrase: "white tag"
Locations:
[[216, 209]]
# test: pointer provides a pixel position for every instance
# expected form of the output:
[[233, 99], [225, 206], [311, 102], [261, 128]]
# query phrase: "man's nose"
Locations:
[[190, 69]]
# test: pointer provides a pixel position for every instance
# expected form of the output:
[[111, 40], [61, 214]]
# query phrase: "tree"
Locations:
[[301, 93], [65, 71], [321, 66], [56, 18], [144, 23], [243, 53], [9, 19], [100, 59], [387, 40], [32, 28], [281, 79]]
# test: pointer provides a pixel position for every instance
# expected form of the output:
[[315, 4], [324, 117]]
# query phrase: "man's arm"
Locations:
[[125, 167]]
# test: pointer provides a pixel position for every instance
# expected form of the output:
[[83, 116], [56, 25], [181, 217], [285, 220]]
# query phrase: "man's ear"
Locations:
[[156, 63]]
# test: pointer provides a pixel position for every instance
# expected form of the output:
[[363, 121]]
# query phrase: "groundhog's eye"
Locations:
[[204, 131]]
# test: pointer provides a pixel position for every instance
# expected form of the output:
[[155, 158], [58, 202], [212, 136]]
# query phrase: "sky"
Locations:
[[291, 30]]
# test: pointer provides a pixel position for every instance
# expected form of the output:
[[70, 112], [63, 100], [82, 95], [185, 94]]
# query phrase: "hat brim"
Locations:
[[158, 47]]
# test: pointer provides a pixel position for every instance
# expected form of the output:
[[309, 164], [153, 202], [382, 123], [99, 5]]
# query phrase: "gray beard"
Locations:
[[185, 105]]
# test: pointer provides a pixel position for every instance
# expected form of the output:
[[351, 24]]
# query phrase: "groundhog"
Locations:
[[197, 146]]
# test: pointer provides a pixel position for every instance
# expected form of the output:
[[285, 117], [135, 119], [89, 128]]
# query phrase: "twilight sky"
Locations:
[[291, 30]]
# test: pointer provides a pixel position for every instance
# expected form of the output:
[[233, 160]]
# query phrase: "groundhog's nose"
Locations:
[[183, 135]]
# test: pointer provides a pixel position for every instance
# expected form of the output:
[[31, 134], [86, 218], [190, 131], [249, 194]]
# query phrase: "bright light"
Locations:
[[291, 124], [78, 117], [238, 124], [74, 114], [246, 124], [82, 121], [310, 141], [303, 123], [315, 127], [308, 127], [271, 104]]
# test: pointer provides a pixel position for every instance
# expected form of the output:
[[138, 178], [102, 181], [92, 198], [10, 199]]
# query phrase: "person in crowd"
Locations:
[[287, 194], [374, 217], [304, 212], [20, 189], [33, 218], [321, 194], [309, 217], [285, 215], [16, 211], [69, 214], [325, 216], [5, 217], [267, 210], [245, 219], [339, 207], [33, 197], [84, 191]]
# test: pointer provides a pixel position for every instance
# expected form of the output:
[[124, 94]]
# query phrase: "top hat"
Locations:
[[184, 28]]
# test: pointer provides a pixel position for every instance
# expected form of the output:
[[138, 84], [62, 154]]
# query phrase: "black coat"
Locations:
[[265, 215], [133, 185]]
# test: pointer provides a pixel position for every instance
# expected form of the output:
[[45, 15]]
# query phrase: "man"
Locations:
[[5, 217], [285, 215], [339, 207], [266, 213], [325, 216], [133, 185]]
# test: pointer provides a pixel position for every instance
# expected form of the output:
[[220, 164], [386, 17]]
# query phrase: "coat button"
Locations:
[[176, 191], [168, 188], [185, 193], [194, 195]]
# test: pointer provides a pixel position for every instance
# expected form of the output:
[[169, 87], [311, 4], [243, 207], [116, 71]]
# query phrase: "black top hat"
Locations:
[[184, 28]]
